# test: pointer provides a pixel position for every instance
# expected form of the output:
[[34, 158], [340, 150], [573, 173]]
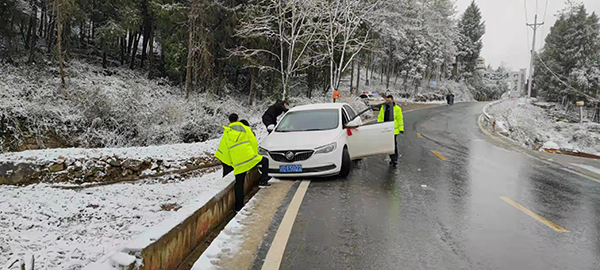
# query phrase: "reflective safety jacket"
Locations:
[[398, 118], [238, 148]]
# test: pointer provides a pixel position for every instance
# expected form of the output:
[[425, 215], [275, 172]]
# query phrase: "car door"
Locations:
[[369, 140]]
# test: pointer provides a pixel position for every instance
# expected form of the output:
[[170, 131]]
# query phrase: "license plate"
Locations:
[[290, 168]]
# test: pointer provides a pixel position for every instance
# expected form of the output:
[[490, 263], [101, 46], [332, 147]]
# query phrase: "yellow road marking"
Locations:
[[420, 135], [534, 215], [275, 254], [438, 155]]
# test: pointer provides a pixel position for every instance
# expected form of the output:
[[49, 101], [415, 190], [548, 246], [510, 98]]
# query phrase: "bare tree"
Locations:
[[59, 10], [292, 24], [188, 74], [347, 30]]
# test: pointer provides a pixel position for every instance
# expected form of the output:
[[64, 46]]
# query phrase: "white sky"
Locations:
[[506, 36]]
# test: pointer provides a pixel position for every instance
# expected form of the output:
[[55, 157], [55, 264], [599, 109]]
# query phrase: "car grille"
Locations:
[[298, 155]]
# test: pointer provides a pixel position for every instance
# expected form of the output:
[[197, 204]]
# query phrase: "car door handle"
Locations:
[[387, 130]]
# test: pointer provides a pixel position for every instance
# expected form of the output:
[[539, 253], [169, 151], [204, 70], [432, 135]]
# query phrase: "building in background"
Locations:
[[480, 64]]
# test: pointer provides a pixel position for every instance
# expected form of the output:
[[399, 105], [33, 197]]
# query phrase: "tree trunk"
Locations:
[[252, 88], [32, 22], [50, 34], [381, 74], [151, 54], [32, 46], [59, 26], [122, 46], [134, 51], [42, 19], [34, 34], [146, 30], [352, 76], [82, 34], [397, 74], [389, 71], [104, 61], [358, 77], [130, 38], [188, 76]]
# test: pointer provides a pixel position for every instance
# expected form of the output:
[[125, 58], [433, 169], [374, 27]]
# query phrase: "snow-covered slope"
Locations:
[[536, 129]]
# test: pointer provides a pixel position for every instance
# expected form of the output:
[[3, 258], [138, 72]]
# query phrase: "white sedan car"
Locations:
[[372, 99], [322, 140]]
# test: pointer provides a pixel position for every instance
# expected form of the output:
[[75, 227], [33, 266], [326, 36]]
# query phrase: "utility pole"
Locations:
[[533, 26]]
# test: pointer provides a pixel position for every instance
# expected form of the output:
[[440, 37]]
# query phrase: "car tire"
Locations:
[[346, 163]]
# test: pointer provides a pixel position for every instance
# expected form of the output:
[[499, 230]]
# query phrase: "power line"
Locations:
[[526, 21], [545, 12], [565, 83], [525, 2]]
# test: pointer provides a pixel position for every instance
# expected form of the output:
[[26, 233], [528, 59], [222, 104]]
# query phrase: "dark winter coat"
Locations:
[[274, 111]]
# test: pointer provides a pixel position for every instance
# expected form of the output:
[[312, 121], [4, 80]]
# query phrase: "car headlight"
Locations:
[[263, 152], [326, 148]]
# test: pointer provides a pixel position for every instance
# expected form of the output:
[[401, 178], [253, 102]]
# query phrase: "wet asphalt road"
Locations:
[[433, 214]]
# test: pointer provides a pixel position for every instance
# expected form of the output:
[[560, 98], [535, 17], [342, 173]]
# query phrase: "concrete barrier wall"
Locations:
[[177, 242]]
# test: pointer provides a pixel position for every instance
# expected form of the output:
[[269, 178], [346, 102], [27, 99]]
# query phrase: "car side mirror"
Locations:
[[353, 124]]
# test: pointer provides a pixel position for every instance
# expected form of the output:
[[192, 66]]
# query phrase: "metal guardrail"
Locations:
[[490, 119]]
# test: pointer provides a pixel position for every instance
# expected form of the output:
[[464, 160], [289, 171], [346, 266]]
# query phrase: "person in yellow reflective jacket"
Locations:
[[238, 152], [386, 113]]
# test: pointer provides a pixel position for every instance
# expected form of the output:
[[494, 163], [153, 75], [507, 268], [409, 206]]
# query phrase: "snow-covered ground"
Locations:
[[537, 129], [162, 152], [68, 229]]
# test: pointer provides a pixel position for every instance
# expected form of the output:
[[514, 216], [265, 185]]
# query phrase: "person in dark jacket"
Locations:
[[274, 111]]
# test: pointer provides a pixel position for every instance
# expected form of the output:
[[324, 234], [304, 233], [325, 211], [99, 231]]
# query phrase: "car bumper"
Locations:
[[318, 165]]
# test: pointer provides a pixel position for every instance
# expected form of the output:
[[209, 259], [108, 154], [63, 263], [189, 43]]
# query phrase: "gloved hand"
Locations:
[[401, 132]]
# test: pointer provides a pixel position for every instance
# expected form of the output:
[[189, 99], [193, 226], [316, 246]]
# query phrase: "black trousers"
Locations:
[[239, 182], [268, 123], [394, 157], [226, 169]]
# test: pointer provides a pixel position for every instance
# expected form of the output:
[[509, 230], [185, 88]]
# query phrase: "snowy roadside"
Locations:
[[164, 152], [537, 129], [68, 229], [228, 241]]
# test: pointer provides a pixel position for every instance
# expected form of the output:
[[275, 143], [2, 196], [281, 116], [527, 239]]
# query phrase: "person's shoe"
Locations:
[[393, 163], [264, 184]]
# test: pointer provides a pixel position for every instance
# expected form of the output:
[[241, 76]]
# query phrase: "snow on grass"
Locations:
[[163, 152], [68, 229], [536, 129]]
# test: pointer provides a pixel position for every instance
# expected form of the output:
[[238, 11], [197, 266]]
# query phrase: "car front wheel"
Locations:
[[346, 163]]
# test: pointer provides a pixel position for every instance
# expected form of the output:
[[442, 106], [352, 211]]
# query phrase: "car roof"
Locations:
[[318, 106]]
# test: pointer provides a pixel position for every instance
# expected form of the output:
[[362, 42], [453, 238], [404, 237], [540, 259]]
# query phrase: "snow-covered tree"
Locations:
[[346, 32], [471, 30], [293, 25], [569, 64]]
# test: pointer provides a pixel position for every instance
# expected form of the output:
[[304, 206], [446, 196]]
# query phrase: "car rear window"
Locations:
[[313, 120]]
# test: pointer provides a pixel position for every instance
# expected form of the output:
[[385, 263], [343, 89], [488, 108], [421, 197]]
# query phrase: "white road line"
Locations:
[[275, 254]]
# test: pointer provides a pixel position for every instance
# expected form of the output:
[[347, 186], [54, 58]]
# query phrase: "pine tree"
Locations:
[[569, 64], [471, 30]]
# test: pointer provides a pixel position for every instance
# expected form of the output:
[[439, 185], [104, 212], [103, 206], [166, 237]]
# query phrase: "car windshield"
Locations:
[[313, 120]]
